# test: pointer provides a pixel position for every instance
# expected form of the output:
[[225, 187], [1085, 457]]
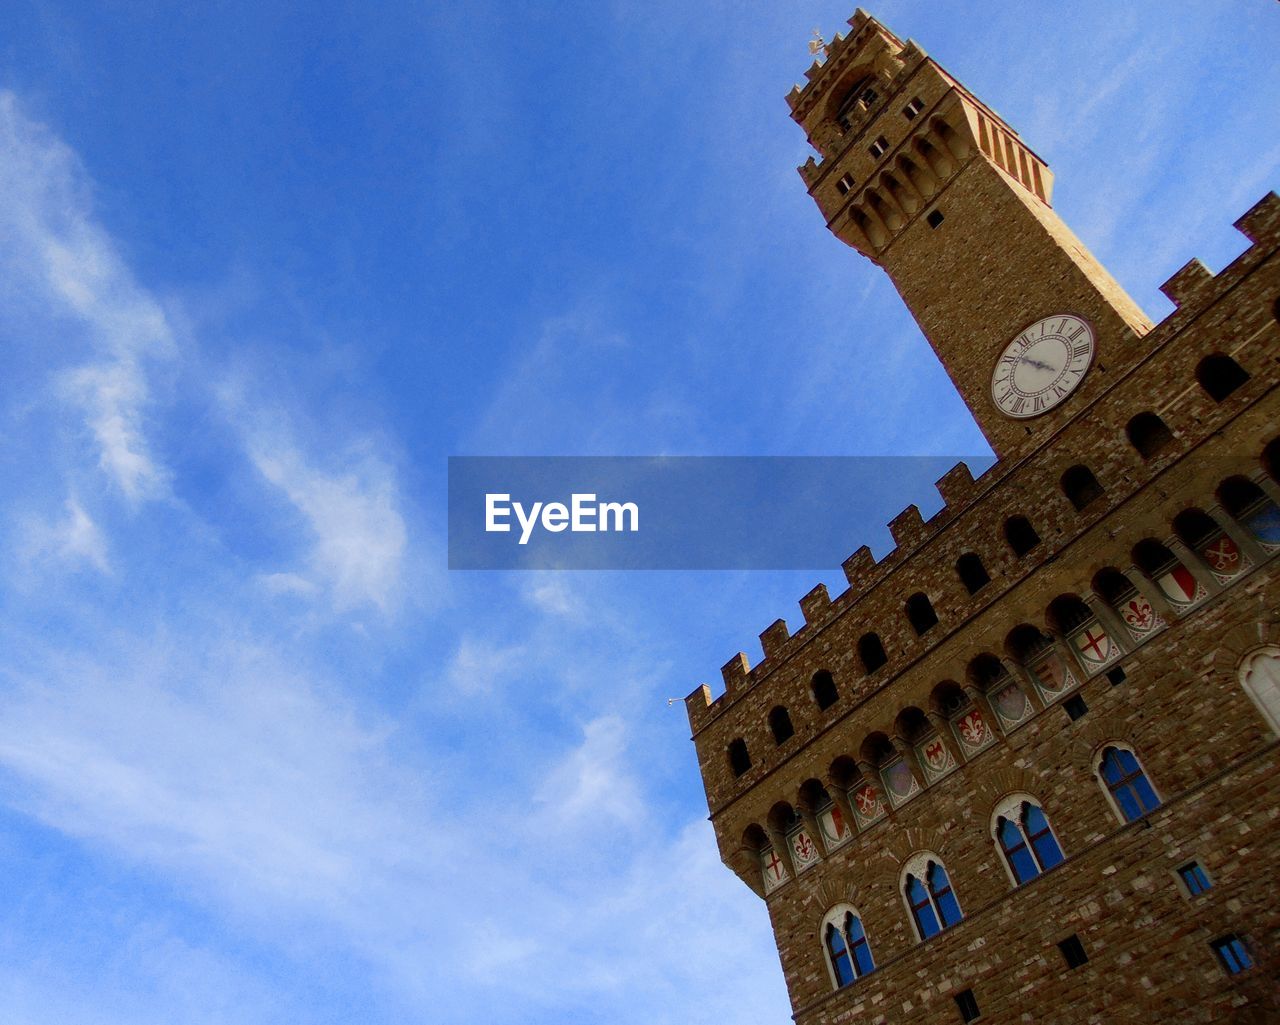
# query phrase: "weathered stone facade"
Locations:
[[1150, 494]]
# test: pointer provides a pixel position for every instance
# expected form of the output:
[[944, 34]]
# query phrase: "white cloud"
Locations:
[[552, 594], [480, 667], [74, 540], [358, 534], [592, 783], [53, 249]]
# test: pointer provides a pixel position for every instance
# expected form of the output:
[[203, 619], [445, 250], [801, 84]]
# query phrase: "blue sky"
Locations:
[[262, 269]]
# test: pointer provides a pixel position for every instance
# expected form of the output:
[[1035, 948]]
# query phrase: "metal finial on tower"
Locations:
[[818, 46]]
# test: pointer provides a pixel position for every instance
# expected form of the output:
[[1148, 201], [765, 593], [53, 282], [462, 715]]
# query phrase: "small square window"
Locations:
[[1116, 676], [845, 184], [1075, 707], [934, 218], [878, 148], [1073, 951], [1232, 953], [913, 108], [967, 1004], [1195, 880]]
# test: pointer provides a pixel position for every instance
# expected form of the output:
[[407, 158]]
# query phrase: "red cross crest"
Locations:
[[867, 801], [774, 865], [1223, 555], [973, 729], [1139, 614], [1094, 644]]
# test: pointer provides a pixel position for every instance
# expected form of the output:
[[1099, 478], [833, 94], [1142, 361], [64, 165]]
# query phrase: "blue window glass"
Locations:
[[922, 908], [943, 897], [1194, 878], [1043, 842], [1233, 954], [839, 955], [1128, 784], [1014, 845], [858, 945]]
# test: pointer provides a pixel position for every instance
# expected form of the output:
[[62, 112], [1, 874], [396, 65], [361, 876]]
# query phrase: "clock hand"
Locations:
[[1036, 363]]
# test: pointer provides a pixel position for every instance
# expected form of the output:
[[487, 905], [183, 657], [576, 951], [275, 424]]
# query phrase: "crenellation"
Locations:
[[857, 569], [1261, 223], [957, 486], [735, 672], [908, 528], [774, 638], [815, 605], [1189, 285]]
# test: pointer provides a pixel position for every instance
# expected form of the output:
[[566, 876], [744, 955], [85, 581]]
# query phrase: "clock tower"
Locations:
[[928, 182]]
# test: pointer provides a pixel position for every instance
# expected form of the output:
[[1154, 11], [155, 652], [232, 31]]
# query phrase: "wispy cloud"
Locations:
[[51, 244], [74, 540], [357, 533]]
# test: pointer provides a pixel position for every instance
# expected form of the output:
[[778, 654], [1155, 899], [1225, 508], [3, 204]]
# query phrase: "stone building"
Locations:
[[1026, 767]]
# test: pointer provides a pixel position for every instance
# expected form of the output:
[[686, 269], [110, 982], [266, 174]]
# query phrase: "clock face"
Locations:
[[1042, 366]]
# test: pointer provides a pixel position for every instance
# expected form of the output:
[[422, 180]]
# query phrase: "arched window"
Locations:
[[920, 613], [1250, 506], [845, 942], [1081, 487], [927, 890], [1260, 678], [1020, 534], [1219, 375], [1127, 785], [859, 97], [1271, 459], [1026, 841], [739, 759], [871, 652], [972, 573], [780, 725], [1148, 434], [824, 689]]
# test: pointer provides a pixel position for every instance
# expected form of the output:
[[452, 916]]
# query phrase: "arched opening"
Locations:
[[824, 689], [1081, 487], [920, 613], [1260, 678], [973, 574], [1020, 535], [1219, 375], [1025, 643], [877, 749], [1271, 459], [912, 725], [1148, 434], [780, 725], [1252, 508], [844, 772], [949, 699], [739, 758], [1112, 586], [855, 101], [871, 652], [1067, 613], [1196, 528], [986, 670]]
